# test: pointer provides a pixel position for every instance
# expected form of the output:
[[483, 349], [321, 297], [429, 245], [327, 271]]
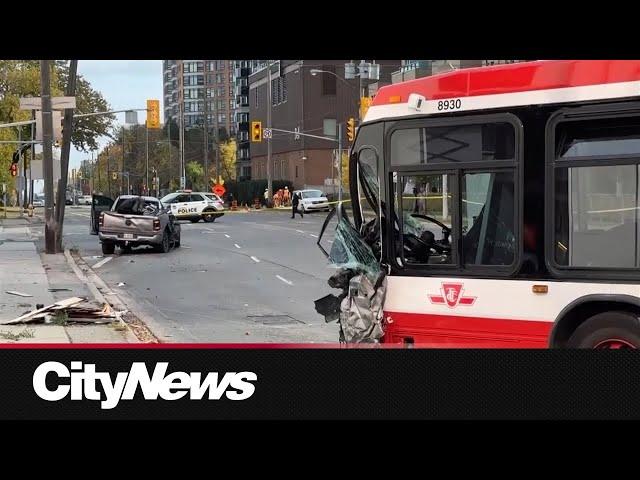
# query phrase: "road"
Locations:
[[247, 277]]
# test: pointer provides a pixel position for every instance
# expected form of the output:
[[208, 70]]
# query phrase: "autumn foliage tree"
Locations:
[[21, 78]]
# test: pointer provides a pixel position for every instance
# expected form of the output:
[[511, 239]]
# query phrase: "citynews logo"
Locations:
[[83, 380]]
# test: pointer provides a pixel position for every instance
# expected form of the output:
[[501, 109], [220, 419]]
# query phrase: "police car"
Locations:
[[194, 206]]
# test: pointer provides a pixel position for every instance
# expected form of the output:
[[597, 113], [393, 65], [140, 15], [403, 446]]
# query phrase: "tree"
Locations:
[[195, 174], [172, 126], [345, 170], [86, 130], [21, 78], [227, 160]]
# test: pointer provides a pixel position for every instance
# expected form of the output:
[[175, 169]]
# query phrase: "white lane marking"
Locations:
[[227, 235], [102, 262], [300, 231], [255, 259], [237, 246], [330, 241], [284, 280], [314, 236]]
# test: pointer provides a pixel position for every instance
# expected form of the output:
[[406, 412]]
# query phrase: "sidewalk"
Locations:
[[23, 269]]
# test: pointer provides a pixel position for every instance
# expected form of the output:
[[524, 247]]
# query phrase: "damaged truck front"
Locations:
[[356, 254]]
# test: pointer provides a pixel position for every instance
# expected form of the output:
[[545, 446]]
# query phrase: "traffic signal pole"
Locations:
[[269, 166], [331, 139]]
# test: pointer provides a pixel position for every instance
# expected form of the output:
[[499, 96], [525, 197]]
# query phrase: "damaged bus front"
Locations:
[[356, 252]]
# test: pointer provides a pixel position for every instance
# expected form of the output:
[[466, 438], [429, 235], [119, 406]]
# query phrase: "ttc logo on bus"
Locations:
[[452, 296]]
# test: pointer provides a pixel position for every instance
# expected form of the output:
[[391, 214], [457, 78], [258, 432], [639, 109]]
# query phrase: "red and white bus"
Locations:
[[504, 203]]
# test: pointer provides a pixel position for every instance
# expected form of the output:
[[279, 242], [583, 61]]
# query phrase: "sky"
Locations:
[[124, 84]]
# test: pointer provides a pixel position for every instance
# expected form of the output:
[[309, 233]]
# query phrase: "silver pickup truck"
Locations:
[[131, 221]]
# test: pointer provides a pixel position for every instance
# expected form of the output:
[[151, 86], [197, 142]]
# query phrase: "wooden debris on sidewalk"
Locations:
[[19, 294], [77, 310]]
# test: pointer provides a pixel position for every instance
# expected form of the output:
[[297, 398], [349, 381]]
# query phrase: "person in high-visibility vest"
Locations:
[[286, 196]]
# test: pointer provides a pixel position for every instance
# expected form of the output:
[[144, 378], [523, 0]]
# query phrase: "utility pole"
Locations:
[[269, 166], [122, 171], [340, 162], [146, 127], [98, 164], [205, 137], [67, 130], [181, 144], [33, 156], [47, 154], [24, 168], [108, 170], [170, 148]]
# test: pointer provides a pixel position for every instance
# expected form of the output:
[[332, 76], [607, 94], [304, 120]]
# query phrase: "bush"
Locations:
[[248, 190]]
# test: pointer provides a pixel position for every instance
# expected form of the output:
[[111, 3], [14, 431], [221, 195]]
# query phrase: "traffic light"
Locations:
[[351, 129], [14, 169], [153, 114], [256, 131]]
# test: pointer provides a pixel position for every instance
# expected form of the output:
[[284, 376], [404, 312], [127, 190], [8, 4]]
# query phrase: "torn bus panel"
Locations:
[[361, 315], [363, 283]]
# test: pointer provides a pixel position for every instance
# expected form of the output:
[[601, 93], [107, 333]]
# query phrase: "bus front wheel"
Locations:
[[608, 330]]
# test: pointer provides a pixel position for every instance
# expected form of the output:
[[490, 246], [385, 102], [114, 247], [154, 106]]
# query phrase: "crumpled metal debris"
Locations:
[[359, 308]]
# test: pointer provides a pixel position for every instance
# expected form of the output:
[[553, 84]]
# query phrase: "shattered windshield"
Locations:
[[350, 251], [136, 206]]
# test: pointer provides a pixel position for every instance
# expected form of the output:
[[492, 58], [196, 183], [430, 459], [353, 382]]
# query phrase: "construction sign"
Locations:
[[218, 190]]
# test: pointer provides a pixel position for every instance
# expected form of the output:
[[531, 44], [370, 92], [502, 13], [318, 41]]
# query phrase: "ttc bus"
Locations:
[[503, 203]]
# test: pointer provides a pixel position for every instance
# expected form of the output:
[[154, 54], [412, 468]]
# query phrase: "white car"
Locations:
[[194, 206], [312, 200], [38, 202], [85, 200]]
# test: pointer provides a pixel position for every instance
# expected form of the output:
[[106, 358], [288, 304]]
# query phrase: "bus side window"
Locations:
[[426, 208], [488, 218], [596, 220]]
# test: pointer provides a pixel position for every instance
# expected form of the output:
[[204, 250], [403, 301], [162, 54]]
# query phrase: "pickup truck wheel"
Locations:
[[166, 244], [108, 248], [209, 217]]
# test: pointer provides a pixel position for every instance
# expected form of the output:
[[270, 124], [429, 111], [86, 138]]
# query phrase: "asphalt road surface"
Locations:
[[247, 277]]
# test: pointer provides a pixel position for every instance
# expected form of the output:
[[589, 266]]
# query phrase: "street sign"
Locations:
[[218, 189], [267, 133], [56, 117], [296, 136], [57, 103], [131, 117]]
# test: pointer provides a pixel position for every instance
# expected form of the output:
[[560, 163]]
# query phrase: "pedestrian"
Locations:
[[266, 196], [295, 203]]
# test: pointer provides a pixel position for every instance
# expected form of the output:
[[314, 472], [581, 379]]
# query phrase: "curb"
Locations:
[[130, 336]]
